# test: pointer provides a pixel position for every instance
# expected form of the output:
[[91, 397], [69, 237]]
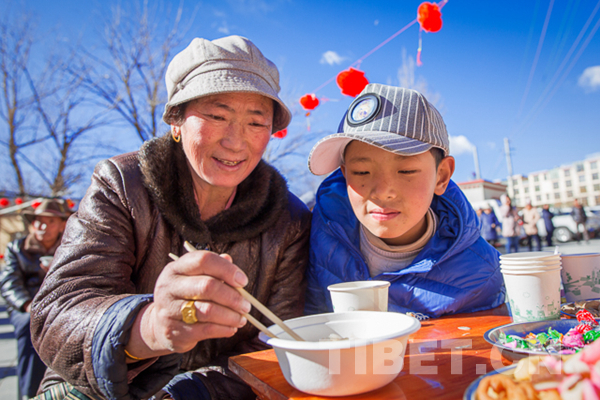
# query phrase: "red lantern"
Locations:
[[309, 101], [4, 202], [352, 81], [70, 203], [429, 17], [280, 134], [36, 204], [18, 200]]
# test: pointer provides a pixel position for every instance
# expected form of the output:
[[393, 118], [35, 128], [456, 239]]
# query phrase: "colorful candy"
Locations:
[[553, 341]]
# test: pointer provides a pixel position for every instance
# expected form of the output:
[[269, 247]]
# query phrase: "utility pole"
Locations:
[[509, 166], [476, 161]]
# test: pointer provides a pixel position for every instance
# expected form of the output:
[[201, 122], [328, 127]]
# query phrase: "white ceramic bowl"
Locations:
[[371, 358]]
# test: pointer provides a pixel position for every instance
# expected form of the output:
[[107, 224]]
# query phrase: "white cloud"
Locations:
[[223, 28], [331, 58], [590, 79], [376, 22], [460, 145]]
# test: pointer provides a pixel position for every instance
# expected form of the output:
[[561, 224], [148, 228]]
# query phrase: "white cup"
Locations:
[[581, 276], [530, 266], [534, 295], [530, 256], [359, 296]]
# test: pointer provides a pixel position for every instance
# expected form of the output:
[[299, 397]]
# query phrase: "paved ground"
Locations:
[[8, 357], [566, 248], [8, 344]]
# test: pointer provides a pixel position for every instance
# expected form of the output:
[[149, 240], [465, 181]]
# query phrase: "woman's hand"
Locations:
[[202, 276]]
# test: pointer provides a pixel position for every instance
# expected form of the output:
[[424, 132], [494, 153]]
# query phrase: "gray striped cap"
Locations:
[[395, 119]]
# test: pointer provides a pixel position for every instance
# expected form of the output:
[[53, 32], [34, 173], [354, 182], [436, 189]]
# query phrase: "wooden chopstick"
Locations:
[[267, 313], [249, 317], [258, 305]]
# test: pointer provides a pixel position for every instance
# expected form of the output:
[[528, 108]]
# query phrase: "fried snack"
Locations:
[[498, 387]]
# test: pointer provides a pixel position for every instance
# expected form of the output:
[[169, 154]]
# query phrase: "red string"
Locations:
[[357, 63]]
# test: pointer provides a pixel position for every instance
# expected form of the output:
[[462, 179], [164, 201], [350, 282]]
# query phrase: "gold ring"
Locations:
[[188, 312]]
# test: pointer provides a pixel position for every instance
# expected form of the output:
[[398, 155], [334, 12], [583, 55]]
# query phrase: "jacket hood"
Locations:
[[457, 229], [259, 201]]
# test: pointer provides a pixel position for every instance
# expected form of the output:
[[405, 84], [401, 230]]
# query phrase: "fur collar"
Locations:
[[258, 203]]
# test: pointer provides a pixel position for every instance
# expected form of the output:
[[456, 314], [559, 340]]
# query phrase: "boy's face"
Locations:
[[390, 194]]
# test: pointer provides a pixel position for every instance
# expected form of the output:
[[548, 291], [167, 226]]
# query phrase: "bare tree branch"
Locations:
[[15, 46], [139, 45]]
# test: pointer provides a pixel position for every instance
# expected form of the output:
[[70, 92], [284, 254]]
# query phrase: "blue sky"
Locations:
[[485, 69]]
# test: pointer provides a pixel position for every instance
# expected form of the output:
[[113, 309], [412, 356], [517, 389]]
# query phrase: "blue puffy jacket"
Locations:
[[457, 270]]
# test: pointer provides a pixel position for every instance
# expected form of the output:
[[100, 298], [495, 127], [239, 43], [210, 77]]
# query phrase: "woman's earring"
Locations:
[[176, 138]]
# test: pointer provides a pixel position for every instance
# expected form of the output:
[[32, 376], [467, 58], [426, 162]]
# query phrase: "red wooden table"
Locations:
[[441, 361]]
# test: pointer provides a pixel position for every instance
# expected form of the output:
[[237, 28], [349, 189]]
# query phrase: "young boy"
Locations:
[[390, 212]]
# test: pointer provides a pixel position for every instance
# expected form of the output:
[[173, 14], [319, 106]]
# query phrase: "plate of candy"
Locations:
[[562, 336], [591, 305]]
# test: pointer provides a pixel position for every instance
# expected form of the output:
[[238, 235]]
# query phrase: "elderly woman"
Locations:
[[112, 318]]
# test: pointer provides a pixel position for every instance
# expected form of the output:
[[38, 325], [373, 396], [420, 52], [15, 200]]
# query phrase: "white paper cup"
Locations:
[[530, 266], [529, 256], [359, 296], [581, 276], [533, 295], [534, 262]]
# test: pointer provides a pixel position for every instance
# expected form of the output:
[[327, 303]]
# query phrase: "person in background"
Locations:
[[547, 216], [578, 214], [489, 223], [530, 219], [510, 224], [21, 279]]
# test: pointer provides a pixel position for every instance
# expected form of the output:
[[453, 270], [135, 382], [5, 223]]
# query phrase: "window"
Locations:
[[515, 182], [567, 172], [516, 191], [538, 198], [579, 167], [597, 187], [581, 178], [525, 189], [582, 189], [595, 176], [568, 183], [547, 196], [594, 165], [557, 196], [569, 193], [536, 178], [545, 177], [555, 185], [537, 188]]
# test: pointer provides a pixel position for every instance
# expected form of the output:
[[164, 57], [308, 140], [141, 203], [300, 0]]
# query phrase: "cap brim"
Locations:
[[222, 81], [327, 155]]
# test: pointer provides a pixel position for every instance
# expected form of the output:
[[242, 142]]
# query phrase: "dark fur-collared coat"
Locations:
[[139, 208]]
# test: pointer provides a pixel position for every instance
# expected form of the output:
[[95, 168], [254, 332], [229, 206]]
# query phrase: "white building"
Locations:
[[479, 190], [558, 187]]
